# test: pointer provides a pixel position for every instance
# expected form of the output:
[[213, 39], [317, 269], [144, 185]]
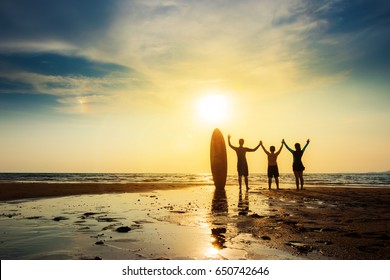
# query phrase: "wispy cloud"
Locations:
[[270, 45], [74, 80], [175, 46]]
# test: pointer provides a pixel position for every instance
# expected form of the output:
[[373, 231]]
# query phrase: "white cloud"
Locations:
[[179, 46], [184, 42], [31, 46]]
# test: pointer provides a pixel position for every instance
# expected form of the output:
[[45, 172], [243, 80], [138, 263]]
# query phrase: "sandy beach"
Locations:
[[192, 221]]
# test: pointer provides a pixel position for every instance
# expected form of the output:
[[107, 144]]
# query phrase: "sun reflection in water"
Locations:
[[212, 252]]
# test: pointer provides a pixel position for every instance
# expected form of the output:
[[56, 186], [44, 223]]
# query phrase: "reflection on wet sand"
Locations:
[[199, 223], [243, 203], [219, 210]]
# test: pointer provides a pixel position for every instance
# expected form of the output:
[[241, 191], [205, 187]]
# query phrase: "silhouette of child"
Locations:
[[273, 170]]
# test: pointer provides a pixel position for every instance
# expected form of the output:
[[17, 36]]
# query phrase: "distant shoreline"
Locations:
[[315, 179]]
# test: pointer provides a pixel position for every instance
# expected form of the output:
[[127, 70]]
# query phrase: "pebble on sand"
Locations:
[[123, 229]]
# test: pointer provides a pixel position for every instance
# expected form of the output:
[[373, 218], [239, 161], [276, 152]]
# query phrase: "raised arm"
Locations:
[[307, 143], [280, 149], [230, 144], [288, 148], [254, 149], [265, 151]]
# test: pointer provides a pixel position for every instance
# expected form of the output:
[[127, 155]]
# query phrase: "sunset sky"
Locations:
[[139, 86]]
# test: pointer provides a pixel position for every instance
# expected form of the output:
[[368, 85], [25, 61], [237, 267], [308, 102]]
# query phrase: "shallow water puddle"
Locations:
[[193, 223]]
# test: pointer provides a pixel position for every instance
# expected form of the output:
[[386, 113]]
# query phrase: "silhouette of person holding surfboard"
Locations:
[[242, 165], [273, 170], [297, 162]]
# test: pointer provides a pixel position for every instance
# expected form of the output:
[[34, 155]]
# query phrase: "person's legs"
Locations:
[[296, 174], [301, 179], [269, 175], [274, 172], [246, 182]]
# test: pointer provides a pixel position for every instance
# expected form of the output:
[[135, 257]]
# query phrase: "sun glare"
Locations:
[[213, 108]]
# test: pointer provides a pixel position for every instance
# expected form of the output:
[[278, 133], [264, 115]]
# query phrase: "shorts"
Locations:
[[298, 166], [273, 171], [242, 169]]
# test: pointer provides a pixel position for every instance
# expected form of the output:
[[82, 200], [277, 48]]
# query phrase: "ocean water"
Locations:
[[319, 179]]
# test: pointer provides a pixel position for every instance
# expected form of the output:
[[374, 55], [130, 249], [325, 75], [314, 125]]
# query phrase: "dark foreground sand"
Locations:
[[316, 223], [340, 223]]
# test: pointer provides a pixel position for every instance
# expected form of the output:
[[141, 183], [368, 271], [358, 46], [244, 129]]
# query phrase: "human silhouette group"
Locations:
[[272, 155]]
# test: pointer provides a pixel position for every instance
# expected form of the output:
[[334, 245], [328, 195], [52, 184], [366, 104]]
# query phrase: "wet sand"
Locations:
[[183, 221], [12, 191], [339, 223]]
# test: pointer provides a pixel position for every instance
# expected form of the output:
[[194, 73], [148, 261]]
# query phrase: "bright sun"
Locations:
[[213, 108]]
